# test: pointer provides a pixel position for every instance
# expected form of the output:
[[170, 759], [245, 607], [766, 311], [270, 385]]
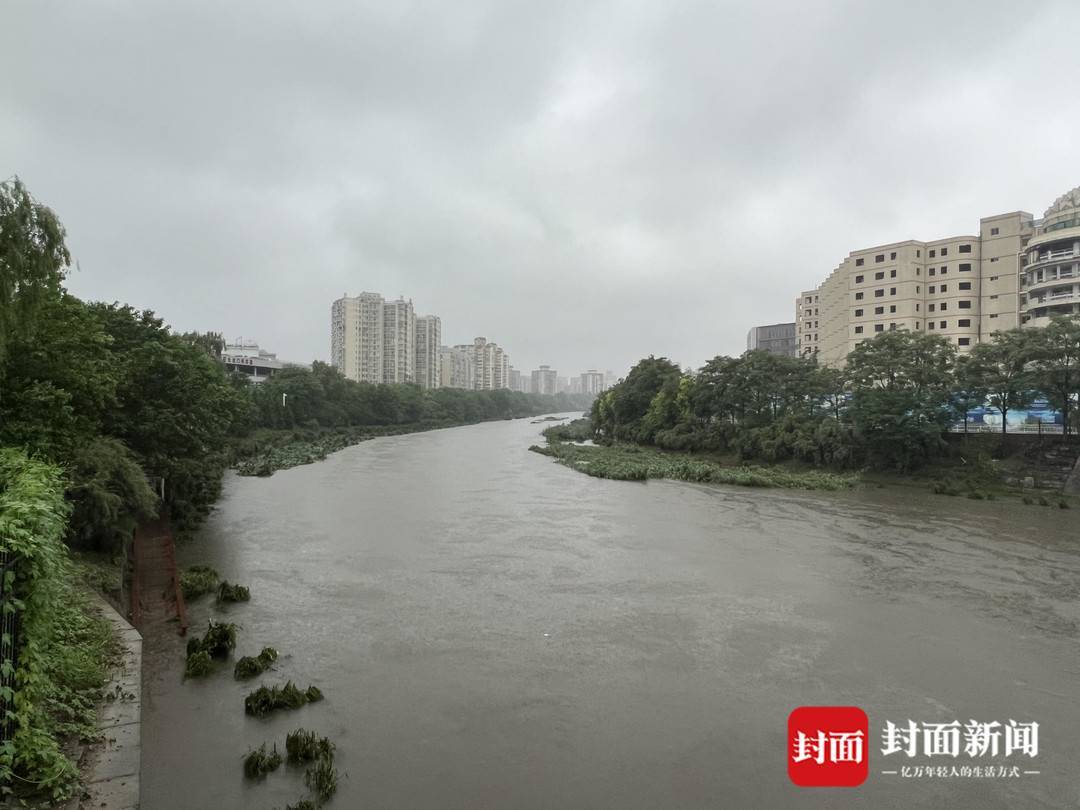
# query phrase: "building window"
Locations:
[[892, 327], [965, 248], [916, 307], [892, 290], [931, 307], [892, 274], [858, 262], [879, 327], [879, 310], [964, 322], [892, 255], [933, 253], [965, 285], [965, 305], [858, 313], [918, 254], [993, 278], [858, 296], [879, 258], [944, 270], [944, 324], [892, 308], [879, 293], [858, 330], [933, 272], [994, 315], [965, 268], [994, 231], [993, 260], [879, 276], [945, 251], [930, 325], [918, 288], [944, 287], [933, 288], [964, 341], [858, 279], [944, 306]]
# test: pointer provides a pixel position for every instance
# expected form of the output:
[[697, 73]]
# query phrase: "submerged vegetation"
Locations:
[[635, 463], [303, 745], [260, 762], [198, 580], [249, 666], [321, 777], [265, 700], [218, 642], [233, 593]]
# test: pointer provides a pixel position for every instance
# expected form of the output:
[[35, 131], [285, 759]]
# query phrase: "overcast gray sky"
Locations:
[[585, 183]]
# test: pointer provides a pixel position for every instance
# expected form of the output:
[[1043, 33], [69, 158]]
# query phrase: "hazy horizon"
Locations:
[[584, 184]]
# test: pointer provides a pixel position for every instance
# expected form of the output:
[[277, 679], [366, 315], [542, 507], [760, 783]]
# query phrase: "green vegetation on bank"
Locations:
[[889, 408], [629, 462], [64, 649]]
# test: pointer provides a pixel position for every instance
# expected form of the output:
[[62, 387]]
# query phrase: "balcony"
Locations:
[[1047, 256]]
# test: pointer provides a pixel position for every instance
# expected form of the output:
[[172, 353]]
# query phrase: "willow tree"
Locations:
[[33, 259]]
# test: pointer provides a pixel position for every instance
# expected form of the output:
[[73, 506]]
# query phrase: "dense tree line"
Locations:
[[889, 406], [122, 403]]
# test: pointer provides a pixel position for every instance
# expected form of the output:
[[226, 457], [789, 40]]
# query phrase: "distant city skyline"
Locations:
[[584, 182]]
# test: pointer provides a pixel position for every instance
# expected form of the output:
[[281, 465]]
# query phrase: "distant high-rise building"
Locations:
[[545, 380], [777, 338], [399, 342], [356, 337], [457, 367], [491, 366], [428, 353], [592, 382]]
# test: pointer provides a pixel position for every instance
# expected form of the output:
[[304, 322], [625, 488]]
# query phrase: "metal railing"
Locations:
[[1039, 429]]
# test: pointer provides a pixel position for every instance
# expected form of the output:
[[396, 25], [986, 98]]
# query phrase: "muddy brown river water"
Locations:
[[493, 630]]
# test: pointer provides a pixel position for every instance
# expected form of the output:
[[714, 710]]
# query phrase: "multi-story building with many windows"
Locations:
[[1015, 271], [776, 338], [356, 337], [399, 342], [428, 351], [545, 380]]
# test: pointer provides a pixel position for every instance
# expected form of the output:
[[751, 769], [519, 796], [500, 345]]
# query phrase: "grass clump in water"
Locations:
[[219, 641], [303, 804], [305, 746], [265, 700], [250, 666], [321, 778], [198, 664], [197, 580], [259, 762], [233, 593]]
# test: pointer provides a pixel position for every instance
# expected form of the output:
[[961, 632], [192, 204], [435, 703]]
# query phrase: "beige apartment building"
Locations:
[[428, 351], [1015, 271], [356, 337]]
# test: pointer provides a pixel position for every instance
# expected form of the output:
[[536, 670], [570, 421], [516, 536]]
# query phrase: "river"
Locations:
[[494, 630]]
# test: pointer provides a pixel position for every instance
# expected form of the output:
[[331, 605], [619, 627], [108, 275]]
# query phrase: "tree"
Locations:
[[1055, 351], [33, 260], [899, 402], [1000, 367], [969, 389]]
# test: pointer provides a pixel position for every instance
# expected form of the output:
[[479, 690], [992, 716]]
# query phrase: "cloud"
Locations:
[[585, 183]]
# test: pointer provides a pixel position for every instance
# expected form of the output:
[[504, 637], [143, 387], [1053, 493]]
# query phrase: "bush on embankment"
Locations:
[[62, 648]]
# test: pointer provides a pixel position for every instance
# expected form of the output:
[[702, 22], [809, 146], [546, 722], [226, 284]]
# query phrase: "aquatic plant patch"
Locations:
[[198, 580], [219, 641], [303, 745], [260, 762], [265, 700], [635, 463], [250, 666], [233, 593], [322, 778]]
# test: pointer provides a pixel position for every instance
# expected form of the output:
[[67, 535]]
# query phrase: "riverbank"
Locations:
[[971, 472]]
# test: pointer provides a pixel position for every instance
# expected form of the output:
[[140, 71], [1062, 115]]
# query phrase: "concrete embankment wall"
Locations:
[[111, 768]]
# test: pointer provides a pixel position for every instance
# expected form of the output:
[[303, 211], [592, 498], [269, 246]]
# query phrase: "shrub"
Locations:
[[219, 640], [198, 664]]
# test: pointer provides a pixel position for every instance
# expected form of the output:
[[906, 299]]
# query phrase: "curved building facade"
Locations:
[[1051, 276]]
